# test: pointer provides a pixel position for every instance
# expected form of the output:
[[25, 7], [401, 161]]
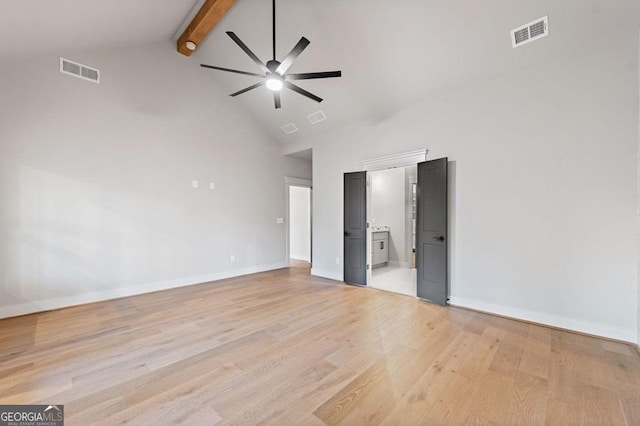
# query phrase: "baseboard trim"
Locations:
[[36, 306], [638, 348], [398, 264], [300, 257], [326, 274], [556, 321]]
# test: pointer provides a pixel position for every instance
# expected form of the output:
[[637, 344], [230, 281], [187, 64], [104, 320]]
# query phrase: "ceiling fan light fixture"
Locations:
[[274, 73], [274, 82], [190, 45]]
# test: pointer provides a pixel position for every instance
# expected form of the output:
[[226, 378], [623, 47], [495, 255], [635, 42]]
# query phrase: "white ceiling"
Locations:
[[392, 54], [31, 27]]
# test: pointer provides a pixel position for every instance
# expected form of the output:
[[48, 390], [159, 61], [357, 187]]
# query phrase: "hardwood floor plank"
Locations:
[[527, 401], [535, 354], [450, 400], [269, 403], [616, 347], [601, 407], [440, 371], [336, 409], [631, 410], [488, 404], [509, 354], [560, 413]]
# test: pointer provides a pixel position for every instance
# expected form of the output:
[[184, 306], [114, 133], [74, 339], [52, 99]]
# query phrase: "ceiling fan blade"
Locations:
[[311, 75], [300, 90], [230, 70], [295, 52], [248, 51], [253, 86], [276, 99]]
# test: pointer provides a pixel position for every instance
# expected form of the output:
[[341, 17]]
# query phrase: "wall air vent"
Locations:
[[316, 117], [289, 128], [78, 70], [530, 32]]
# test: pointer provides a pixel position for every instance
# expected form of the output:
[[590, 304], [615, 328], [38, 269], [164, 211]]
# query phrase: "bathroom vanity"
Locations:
[[379, 248]]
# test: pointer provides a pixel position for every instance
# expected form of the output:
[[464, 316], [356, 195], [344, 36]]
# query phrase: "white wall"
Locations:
[[543, 209], [300, 223], [388, 208], [95, 180]]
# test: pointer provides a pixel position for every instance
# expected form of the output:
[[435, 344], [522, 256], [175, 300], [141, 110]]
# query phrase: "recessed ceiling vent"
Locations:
[[289, 128], [316, 117], [530, 32], [78, 70]]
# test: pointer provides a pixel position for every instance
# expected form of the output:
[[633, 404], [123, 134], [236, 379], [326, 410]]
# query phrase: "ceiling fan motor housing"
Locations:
[[273, 65]]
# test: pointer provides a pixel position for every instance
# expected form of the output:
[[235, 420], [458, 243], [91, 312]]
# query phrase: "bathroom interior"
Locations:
[[393, 221]]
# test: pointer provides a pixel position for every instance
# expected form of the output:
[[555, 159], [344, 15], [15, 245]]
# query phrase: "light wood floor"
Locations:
[[285, 348]]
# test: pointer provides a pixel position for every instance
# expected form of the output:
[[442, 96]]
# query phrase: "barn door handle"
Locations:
[[440, 238], [347, 234]]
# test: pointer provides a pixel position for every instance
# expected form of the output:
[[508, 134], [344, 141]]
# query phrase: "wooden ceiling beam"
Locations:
[[207, 17]]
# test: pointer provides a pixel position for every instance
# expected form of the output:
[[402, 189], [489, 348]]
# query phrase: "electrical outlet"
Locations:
[[212, 186], [337, 260], [194, 183], [232, 258], [280, 220]]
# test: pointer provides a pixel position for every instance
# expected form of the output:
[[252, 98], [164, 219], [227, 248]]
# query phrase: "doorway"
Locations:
[[299, 217], [368, 244], [393, 219]]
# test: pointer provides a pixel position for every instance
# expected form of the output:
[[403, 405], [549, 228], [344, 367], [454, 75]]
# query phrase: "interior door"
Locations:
[[431, 236], [355, 228]]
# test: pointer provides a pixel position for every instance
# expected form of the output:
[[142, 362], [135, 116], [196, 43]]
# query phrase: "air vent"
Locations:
[[316, 117], [530, 32], [289, 128], [78, 70]]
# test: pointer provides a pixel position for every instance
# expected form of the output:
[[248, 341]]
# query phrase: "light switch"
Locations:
[[194, 183], [212, 186], [232, 258], [280, 220]]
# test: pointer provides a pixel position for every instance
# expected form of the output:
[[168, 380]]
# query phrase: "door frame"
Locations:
[[409, 247], [404, 159], [304, 183]]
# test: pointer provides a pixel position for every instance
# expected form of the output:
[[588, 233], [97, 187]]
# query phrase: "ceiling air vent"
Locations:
[[530, 32], [78, 70], [316, 117], [289, 128]]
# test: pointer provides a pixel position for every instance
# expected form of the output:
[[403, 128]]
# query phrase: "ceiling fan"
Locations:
[[275, 75]]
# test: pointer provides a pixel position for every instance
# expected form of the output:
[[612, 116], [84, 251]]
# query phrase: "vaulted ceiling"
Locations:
[[392, 54]]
